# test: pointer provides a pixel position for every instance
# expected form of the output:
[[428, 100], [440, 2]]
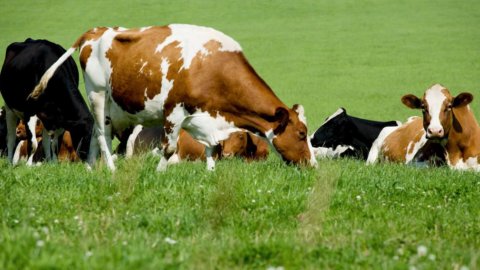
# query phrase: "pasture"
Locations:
[[361, 55]]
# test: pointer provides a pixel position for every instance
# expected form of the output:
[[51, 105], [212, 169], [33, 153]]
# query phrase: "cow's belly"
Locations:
[[121, 119]]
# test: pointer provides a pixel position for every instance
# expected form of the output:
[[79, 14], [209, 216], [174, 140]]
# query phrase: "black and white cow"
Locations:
[[344, 135], [60, 106]]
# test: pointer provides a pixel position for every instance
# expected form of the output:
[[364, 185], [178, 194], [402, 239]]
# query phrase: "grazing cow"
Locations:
[[344, 135], [180, 76], [60, 106], [450, 121]]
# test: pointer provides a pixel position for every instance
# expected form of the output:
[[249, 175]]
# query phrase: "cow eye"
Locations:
[[448, 108], [302, 135]]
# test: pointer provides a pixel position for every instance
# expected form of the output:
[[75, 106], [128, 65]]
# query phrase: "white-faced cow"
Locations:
[[344, 135], [181, 76], [450, 121], [59, 106]]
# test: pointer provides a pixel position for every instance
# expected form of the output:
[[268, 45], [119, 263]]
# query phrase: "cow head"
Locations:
[[334, 131], [437, 105], [290, 137], [21, 130], [244, 144]]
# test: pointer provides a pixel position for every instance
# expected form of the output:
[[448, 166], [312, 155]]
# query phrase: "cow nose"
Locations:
[[435, 132]]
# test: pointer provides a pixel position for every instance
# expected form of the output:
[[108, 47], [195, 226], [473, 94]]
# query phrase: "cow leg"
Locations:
[[11, 120], [97, 100], [46, 144], [131, 141], [208, 154], [56, 135], [18, 153], [32, 139]]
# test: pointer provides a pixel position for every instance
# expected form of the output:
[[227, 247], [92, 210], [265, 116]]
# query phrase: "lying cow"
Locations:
[[61, 145], [239, 144], [450, 121], [180, 76], [344, 135], [406, 144], [448, 132], [60, 106]]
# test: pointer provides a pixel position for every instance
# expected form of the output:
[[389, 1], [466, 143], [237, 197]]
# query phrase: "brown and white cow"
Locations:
[[449, 119], [242, 144], [180, 76], [60, 147], [406, 144], [447, 132]]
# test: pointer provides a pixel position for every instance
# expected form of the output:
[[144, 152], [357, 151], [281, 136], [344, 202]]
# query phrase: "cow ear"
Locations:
[[462, 99], [300, 112], [412, 101], [281, 117]]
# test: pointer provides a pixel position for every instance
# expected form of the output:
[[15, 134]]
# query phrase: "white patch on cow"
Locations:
[[435, 99], [415, 146], [301, 114], [192, 40], [469, 164], [16, 155], [131, 141], [31, 124], [145, 28], [329, 152], [270, 136], [335, 114], [412, 118], [207, 129], [377, 145]]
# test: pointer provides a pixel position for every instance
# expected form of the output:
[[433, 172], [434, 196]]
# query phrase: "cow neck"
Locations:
[[465, 132]]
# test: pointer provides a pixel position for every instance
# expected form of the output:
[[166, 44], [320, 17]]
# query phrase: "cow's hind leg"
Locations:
[[99, 108]]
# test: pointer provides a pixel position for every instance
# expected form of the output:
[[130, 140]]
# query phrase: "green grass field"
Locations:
[[362, 55]]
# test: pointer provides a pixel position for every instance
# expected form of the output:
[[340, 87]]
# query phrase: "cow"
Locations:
[[61, 144], [60, 106], [65, 152], [180, 76], [346, 136], [449, 120], [406, 144], [239, 144]]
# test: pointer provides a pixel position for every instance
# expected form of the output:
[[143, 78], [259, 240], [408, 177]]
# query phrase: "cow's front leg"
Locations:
[[209, 155], [169, 145]]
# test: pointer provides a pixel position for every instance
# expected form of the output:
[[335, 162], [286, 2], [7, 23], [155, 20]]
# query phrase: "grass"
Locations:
[[362, 55]]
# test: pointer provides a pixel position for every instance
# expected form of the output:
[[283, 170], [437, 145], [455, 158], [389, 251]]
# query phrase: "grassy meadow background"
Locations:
[[362, 55]]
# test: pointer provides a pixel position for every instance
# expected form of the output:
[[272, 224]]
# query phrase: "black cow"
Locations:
[[61, 106], [355, 134]]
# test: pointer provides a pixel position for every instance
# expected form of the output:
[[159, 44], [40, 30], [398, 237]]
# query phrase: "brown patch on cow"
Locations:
[[138, 76], [66, 151], [396, 145], [85, 55], [190, 149]]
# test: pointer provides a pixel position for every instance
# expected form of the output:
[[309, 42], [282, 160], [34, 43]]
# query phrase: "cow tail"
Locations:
[[40, 87]]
